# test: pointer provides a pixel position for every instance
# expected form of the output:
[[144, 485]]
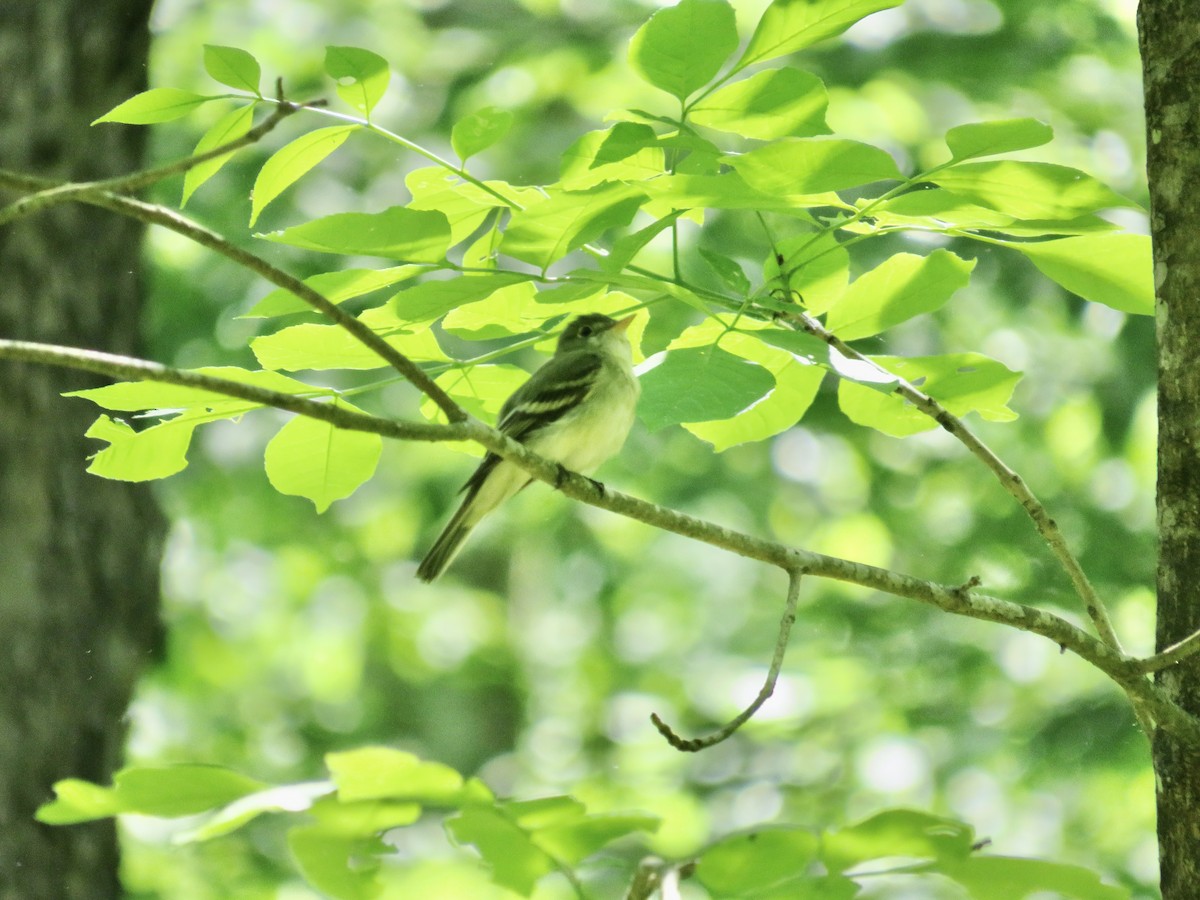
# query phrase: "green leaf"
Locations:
[[680, 48], [544, 232], [479, 130], [229, 127], [628, 151], [813, 165], [479, 389], [156, 452], [168, 791], [773, 104], [138, 395], [429, 300], [312, 459], [728, 270], [336, 287], [817, 267], [181, 790], [233, 67], [728, 191], [1114, 269], [465, 205], [516, 862], [154, 105], [1030, 190], [989, 138], [626, 248], [961, 382], [700, 384], [396, 233], [512, 309], [379, 773], [796, 384], [896, 832], [314, 346], [78, 801], [292, 161], [290, 798], [362, 76], [343, 867], [743, 864], [791, 25], [572, 842], [1003, 877], [899, 288]]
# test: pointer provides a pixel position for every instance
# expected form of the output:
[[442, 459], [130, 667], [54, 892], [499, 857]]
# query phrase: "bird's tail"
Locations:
[[448, 543]]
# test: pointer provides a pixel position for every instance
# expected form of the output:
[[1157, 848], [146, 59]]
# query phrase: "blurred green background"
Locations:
[[537, 660]]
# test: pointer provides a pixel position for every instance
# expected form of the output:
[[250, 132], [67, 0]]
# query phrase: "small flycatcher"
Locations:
[[576, 410]]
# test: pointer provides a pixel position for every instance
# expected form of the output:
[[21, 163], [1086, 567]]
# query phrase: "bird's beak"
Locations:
[[624, 323]]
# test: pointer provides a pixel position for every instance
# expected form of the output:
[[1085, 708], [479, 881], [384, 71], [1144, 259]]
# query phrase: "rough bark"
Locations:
[[1170, 44], [78, 555]]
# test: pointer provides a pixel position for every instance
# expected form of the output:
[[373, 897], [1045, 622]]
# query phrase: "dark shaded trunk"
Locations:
[[78, 555], [1170, 44]]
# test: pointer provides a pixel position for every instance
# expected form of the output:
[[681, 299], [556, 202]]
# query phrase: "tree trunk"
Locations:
[[78, 555], [1170, 44]]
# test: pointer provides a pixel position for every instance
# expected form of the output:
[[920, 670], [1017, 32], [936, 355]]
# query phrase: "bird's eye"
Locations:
[[585, 331]]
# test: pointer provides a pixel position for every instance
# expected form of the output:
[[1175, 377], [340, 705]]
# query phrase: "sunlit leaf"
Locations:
[[989, 138], [544, 232], [233, 67], [626, 152], [155, 105], [291, 162], [902, 286], [773, 104], [336, 287], [429, 300], [791, 25], [312, 459], [1114, 269], [751, 861], [680, 48], [155, 452], [817, 270], [315, 346], [339, 866], [229, 127], [362, 76], [396, 233], [509, 851], [896, 833], [377, 773], [480, 130], [961, 382], [1004, 877], [700, 384], [728, 270], [1029, 190], [813, 165]]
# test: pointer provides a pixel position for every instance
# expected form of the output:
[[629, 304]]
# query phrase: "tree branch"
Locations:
[[960, 600], [785, 627], [105, 195], [1046, 526]]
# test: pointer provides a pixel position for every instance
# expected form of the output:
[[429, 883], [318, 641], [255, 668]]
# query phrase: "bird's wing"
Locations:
[[558, 386]]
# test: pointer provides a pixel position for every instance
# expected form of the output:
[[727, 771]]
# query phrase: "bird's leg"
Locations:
[[564, 473]]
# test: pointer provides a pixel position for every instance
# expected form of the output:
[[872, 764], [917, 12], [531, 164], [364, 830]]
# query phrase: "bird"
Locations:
[[576, 410]]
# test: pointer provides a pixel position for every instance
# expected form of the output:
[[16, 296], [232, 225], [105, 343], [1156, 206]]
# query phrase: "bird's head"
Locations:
[[593, 331]]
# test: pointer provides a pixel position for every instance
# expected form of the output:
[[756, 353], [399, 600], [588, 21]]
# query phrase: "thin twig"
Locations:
[[1046, 526], [785, 627], [58, 192], [1173, 655], [955, 599]]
